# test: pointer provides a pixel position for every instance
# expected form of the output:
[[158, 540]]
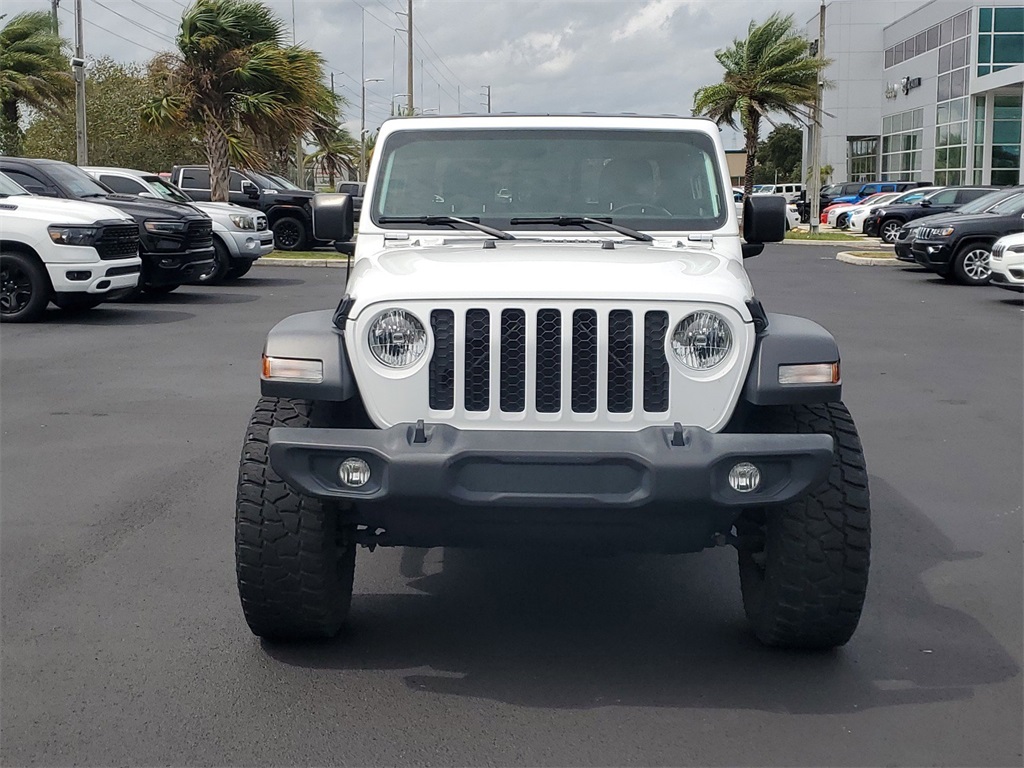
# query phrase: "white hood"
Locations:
[[225, 209], [632, 271], [53, 210]]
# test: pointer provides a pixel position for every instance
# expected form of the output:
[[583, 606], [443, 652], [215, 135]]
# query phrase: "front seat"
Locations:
[[627, 181]]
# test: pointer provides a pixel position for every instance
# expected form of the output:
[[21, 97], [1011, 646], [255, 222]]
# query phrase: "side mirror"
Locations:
[[332, 217], [925, 203], [764, 221], [250, 190]]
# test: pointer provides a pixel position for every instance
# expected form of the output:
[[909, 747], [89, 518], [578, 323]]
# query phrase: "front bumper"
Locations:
[[905, 250], [175, 267], [1008, 271], [96, 278], [249, 245], [871, 226], [933, 254], [677, 469]]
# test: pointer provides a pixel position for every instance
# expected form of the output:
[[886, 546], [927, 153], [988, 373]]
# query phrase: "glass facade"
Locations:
[[1006, 138], [1000, 38], [951, 116], [942, 33], [901, 146], [862, 158]]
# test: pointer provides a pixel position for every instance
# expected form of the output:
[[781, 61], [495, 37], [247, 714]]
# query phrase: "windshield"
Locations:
[[913, 197], [263, 181], [985, 202], [166, 190], [9, 187], [77, 182], [646, 180], [1013, 205], [281, 182]]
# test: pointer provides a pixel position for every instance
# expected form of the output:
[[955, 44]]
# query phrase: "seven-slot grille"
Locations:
[[553, 357], [199, 234], [118, 241]]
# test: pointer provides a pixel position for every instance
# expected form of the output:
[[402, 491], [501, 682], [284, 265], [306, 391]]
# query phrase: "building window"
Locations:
[[1000, 39], [1006, 138], [979, 139], [901, 146], [951, 29], [862, 158]]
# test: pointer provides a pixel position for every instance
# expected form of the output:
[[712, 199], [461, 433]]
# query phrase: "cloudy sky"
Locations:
[[643, 56]]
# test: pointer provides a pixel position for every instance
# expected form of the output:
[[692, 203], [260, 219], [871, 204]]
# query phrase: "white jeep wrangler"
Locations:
[[548, 337]]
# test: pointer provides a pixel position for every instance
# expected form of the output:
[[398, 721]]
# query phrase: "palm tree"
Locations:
[[336, 153], [770, 71], [236, 82], [34, 73]]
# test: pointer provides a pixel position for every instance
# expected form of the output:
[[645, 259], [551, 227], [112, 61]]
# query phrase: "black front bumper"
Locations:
[[175, 267], [905, 250], [933, 254], [441, 481], [871, 226]]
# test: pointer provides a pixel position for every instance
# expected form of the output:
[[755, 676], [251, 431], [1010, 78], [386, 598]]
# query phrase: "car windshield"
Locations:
[[281, 182], [983, 203], [1011, 206], [166, 190], [913, 197], [77, 182], [9, 187], [645, 180]]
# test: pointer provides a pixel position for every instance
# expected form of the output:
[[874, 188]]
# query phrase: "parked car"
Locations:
[[355, 190], [240, 235], [908, 233], [788, 190], [853, 191], [288, 210], [1007, 262], [72, 253], [886, 223], [906, 197], [845, 220], [958, 247], [176, 239]]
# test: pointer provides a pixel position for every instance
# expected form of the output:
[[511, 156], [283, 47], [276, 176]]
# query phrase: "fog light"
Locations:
[[354, 472], [250, 243], [744, 477]]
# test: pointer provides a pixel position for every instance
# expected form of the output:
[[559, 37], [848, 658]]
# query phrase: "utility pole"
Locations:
[[78, 65], [488, 102], [815, 194], [412, 111], [361, 176], [54, 5], [300, 159], [458, 99]]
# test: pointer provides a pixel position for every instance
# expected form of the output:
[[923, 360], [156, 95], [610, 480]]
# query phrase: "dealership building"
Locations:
[[933, 94]]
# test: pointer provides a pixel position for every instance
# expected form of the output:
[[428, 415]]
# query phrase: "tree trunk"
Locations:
[[751, 129], [216, 144], [10, 128]]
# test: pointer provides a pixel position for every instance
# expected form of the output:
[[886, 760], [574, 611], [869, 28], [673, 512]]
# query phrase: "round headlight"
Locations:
[[397, 339], [701, 340]]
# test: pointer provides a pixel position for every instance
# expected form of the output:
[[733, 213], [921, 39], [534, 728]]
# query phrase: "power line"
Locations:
[[109, 32], [163, 37], [155, 12]]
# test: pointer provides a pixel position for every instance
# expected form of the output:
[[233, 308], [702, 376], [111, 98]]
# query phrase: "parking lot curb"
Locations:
[[867, 245], [270, 262], [866, 261]]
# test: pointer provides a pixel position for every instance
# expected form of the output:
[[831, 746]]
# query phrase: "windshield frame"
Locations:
[[69, 176], [10, 188], [718, 196], [1012, 206], [999, 195], [159, 186]]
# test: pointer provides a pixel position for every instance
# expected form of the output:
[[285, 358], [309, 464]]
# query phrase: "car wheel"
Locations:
[[25, 288], [804, 565], [238, 270], [218, 271], [889, 230], [841, 220], [294, 557], [971, 264], [290, 234]]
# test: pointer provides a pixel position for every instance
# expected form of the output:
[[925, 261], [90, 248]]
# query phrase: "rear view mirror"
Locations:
[[332, 217], [764, 221]]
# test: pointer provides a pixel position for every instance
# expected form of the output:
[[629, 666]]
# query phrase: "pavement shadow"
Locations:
[[113, 314], [195, 297], [264, 282], [565, 631], [1013, 302]]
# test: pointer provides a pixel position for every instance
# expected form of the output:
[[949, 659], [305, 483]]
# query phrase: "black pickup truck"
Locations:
[[176, 240], [289, 211]]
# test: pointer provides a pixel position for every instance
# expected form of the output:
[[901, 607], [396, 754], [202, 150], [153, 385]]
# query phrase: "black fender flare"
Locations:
[[790, 340], [310, 336]]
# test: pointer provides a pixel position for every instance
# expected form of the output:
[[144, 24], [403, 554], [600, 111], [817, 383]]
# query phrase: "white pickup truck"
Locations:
[[73, 253], [548, 338]]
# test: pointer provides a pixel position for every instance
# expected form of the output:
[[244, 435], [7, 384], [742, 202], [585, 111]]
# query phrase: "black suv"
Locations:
[[905, 239], [289, 211], [176, 240], [887, 221], [959, 247]]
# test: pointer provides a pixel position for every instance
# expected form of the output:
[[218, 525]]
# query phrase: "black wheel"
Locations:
[[77, 302], [238, 270], [804, 566], [889, 229], [218, 271], [294, 558], [290, 234], [25, 288], [970, 264], [159, 290], [841, 220]]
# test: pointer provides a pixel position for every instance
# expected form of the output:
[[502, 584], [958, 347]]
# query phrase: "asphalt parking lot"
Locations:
[[123, 641]]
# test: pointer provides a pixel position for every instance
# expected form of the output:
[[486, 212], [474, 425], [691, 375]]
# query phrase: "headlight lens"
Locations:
[[397, 339], [1015, 249], [945, 232], [72, 235], [242, 221], [164, 227], [702, 340]]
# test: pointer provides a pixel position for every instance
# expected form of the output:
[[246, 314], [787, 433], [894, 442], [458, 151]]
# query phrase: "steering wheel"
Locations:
[[641, 207]]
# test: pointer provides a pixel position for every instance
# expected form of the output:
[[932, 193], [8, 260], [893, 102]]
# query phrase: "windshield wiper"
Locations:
[[449, 220], [579, 221]]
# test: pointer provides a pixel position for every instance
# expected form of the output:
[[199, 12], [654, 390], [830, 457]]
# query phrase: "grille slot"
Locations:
[[584, 361], [620, 361], [442, 364], [512, 397], [478, 360], [549, 361], [655, 364], [200, 234], [118, 241]]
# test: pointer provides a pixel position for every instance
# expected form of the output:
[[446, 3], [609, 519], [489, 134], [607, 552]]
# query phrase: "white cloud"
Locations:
[[652, 18]]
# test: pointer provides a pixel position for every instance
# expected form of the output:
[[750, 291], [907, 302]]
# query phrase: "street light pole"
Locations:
[[815, 201], [362, 127], [409, 62], [78, 63]]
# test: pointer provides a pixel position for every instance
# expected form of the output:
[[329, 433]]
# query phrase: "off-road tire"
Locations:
[[218, 271], [290, 234], [25, 288], [294, 559], [238, 269], [804, 565], [967, 267]]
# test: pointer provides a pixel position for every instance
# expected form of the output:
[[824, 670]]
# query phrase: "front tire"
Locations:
[[221, 264], [971, 264], [804, 566], [889, 230], [238, 270], [25, 288], [290, 234], [294, 558]]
